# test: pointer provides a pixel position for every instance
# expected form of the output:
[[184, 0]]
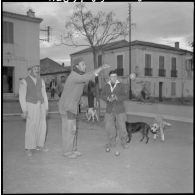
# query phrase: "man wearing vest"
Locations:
[[34, 103], [114, 94], [68, 105]]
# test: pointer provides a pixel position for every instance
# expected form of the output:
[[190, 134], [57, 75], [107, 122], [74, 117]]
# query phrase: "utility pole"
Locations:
[[130, 94]]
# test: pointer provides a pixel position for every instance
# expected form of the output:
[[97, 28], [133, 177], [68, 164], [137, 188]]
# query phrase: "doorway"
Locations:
[[160, 91], [8, 73]]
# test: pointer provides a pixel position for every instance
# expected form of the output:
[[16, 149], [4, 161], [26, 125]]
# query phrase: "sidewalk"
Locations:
[[171, 112]]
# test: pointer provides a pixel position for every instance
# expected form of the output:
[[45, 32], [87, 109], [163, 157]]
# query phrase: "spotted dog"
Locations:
[[91, 114]]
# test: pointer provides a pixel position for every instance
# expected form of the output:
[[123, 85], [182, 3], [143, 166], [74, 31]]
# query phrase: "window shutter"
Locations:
[[161, 62], [120, 62], [173, 63], [11, 33]]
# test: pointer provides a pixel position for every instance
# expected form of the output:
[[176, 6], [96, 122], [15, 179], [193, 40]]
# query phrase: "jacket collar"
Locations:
[[112, 88]]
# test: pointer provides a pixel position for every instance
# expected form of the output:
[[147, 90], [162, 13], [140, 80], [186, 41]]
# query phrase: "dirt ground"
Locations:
[[156, 167]]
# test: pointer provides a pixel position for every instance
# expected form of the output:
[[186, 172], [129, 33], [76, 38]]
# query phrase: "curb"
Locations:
[[166, 116]]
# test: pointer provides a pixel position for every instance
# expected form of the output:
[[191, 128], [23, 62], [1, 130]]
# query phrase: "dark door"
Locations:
[[160, 91], [8, 79]]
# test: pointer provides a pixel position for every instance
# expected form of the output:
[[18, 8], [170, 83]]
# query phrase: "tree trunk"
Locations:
[[96, 82]]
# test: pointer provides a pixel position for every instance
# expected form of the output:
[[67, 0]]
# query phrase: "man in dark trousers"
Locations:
[[114, 94], [53, 86], [91, 94]]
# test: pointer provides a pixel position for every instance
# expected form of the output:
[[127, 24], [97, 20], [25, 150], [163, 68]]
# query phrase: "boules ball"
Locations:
[[117, 153], [107, 149], [132, 76]]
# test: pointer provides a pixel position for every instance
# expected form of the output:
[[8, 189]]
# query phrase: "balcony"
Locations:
[[173, 73], [148, 71], [161, 72]]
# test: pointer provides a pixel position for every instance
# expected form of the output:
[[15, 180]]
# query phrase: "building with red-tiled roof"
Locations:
[[49, 69]]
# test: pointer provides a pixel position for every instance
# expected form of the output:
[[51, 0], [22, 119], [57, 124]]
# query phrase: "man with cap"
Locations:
[[34, 103], [114, 94], [68, 105]]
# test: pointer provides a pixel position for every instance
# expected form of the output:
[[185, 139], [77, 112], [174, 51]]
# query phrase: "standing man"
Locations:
[[114, 94], [68, 105], [91, 94], [60, 86], [53, 85], [34, 104]]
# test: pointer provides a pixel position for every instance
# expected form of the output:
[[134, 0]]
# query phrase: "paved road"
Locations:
[[158, 167]]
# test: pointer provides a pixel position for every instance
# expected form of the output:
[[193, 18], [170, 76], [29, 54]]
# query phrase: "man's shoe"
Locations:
[[73, 155], [77, 153], [43, 149]]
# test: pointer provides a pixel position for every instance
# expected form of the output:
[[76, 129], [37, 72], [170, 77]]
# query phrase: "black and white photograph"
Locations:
[[97, 97]]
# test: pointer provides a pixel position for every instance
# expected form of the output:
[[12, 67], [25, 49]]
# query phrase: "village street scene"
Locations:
[[97, 97]]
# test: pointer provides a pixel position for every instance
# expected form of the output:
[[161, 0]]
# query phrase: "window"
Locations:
[[99, 60], [161, 62], [173, 67], [173, 88], [8, 32], [188, 68], [120, 65], [173, 63], [148, 69], [120, 62], [148, 61], [161, 66], [189, 65]]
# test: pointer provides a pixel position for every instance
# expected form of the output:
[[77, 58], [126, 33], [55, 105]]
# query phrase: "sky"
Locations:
[[157, 22]]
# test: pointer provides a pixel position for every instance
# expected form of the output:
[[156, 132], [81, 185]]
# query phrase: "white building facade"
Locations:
[[166, 71], [21, 48]]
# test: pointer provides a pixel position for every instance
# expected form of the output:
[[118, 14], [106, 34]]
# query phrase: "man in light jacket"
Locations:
[[34, 103], [68, 105]]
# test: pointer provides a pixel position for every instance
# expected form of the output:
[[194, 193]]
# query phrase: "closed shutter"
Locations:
[[8, 32], [161, 62], [173, 63], [148, 61], [120, 62], [99, 60]]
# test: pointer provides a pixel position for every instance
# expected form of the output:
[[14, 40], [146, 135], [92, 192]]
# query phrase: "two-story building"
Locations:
[[21, 48], [166, 71]]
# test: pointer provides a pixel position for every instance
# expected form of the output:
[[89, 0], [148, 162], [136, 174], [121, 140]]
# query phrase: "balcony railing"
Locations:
[[148, 71], [173, 73], [161, 72]]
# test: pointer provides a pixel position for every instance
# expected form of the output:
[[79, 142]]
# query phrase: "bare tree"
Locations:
[[95, 30]]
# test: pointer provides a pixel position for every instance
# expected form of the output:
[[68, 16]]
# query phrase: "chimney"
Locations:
[[177, 45], [30, 13]]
